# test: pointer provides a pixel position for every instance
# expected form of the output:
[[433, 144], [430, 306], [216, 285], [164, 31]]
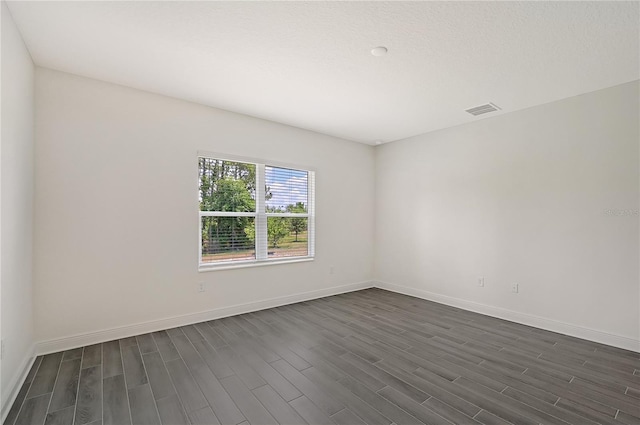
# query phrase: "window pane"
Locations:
[[287, 237], [286, 190], [227, 185], [228, 239]]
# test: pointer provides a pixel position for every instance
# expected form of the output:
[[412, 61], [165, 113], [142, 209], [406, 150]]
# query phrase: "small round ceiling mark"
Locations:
[[379, 51]]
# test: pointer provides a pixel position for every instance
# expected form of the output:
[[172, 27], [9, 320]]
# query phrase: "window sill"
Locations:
[[241, 265]]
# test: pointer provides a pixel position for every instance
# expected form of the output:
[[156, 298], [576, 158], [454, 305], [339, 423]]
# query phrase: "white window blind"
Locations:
[[253, 212]]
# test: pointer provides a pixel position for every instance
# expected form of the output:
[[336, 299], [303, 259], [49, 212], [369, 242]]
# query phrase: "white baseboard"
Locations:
[[81, 340], [16, 382], [514, 316]]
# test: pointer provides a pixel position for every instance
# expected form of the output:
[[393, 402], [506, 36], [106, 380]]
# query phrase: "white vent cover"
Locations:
[[483, 109]]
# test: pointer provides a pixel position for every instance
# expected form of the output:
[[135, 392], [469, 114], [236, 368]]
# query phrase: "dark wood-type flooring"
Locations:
[[366, 357]]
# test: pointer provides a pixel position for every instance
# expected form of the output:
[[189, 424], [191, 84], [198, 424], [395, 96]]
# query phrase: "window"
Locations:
[[252, 213]]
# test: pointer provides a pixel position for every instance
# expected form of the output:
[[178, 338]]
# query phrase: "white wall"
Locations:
[[521, 198], [16, 223], [117, 211]]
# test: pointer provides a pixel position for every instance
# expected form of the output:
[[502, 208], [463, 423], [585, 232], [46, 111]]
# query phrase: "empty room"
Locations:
[[257, 213]]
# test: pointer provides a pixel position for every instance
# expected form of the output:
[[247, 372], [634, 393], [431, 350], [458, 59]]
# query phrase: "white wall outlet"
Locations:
[[514, 287], [201, 287], [481, 281], [2, 344], [332, 270]]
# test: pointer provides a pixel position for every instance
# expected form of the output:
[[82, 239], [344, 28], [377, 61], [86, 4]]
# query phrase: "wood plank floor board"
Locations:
[[165, 346], [285, 353], [446, 411], [17, 404], [361, 349], [330, 347], [222, 404], [45, 378], [323, 400], [203, 416], [267, 316], [133, 367], [34, 410], [550, 408], [565, 392], [606, 373], [158, 375], [487, 418], [354, 403], [376, 401], [230, 322], [416, 409], [346, 417], [627, 419], [211, 357], [382, 336], [277, 406], [143, 406], [241, 368], [192, 333], [346, 368], [91, 356], [210, 335], [262, 326], [188, 391], [387, 378], [22, 393], [310, 411], [246, 401], [247, 325], [161, 337], [174, 332], [433, 389], [513, 404], [618, 401], [129, 341], [585, 411], [60, 417], [632, 392], [365, 357], [33, 370], [187, 352], [256, 347], [399, 358], [111, 359], [116, 401], [496, 382], [224, 332], [66, 387], [615, 391], [76, 353], [89, 404], [275, 380], [314, 359], [433, 364], [146, 343], [172, 412], [535, 364], [478, 399]]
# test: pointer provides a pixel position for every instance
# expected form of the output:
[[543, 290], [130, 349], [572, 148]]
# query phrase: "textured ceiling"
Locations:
[[308, 64]]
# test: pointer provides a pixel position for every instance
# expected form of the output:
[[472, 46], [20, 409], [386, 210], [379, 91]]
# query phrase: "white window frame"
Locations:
[[260, 216]]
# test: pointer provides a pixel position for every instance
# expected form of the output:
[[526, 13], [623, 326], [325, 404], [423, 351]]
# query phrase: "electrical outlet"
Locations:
[[331, 270], [2, 349], [514, 288], [201, 287], [481, 281]]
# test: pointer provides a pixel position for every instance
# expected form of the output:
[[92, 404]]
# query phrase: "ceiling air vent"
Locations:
[[483, 109]]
